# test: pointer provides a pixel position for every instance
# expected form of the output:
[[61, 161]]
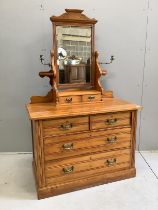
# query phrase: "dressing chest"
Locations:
[[82, 135]]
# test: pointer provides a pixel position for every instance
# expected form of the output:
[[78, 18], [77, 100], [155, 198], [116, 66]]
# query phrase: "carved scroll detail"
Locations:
[[98, 73]]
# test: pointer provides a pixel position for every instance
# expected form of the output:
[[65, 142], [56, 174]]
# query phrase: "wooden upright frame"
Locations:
[[72, 17]]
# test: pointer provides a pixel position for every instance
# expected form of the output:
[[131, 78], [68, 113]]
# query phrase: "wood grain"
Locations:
[[39, 153], [110, 120], [90, 147], [90, 181], [76, 92], [133, 137], [82, 165], [73, 16], [43, 99], [65, 125], [86, 143], [104, 117], [49, 110]]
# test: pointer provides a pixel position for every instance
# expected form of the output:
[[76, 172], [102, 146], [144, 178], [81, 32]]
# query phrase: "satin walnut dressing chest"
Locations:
[[82, 135]]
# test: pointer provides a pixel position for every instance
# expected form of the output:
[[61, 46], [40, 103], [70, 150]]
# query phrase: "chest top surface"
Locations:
[[49, 110]]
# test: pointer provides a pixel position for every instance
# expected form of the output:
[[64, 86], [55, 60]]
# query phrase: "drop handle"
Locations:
[[68, 170], [68, 100], [67, 146], [111, 162], [111, 121], [91, 97], [111, 139], [66, 126]]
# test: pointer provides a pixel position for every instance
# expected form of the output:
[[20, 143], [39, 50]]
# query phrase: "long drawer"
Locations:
[[65, 125], [110, 120], [76, 168], [70, 145]]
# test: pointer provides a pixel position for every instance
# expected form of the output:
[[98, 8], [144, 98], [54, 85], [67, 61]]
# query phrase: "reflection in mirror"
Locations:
[[74, 54]]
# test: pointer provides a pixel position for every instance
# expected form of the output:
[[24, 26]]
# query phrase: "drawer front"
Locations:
[[110, 120], [70, 169], [65, 125], [69, 99], [91, 98], [55, 148]]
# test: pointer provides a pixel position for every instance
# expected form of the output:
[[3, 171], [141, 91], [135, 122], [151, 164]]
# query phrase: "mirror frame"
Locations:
[[74, 17]]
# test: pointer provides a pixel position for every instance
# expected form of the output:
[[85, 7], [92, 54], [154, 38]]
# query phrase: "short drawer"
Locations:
[[110, 120], [65, 125], [91, 98], [79, 167], [69, 99], [70, 145]]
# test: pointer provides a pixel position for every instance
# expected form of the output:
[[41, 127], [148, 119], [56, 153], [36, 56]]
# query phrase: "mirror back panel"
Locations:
[[74, 54]]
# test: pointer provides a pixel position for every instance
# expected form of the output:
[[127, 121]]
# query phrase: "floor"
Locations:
[[17, 188]]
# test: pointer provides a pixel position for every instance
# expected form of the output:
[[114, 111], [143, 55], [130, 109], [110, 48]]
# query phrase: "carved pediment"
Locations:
[[74, 16]]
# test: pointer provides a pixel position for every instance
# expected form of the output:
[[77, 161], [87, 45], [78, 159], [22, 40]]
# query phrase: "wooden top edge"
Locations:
[[74, 10], [73, 16], [50, 110], [78, 92]]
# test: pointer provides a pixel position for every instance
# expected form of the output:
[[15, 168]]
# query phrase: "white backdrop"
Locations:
[[126, 29]]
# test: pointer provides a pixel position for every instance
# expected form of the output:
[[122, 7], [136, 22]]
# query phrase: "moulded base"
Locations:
[[91, 181]]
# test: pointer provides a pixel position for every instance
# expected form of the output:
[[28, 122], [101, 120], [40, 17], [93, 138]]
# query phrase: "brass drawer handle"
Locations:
[[68, 146], [111, 162], [68, 170], [111, 121], [91, 97], [112, 139], [68, 100], [66, 126]]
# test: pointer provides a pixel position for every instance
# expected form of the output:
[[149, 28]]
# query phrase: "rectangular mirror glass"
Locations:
[[74, 47]]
